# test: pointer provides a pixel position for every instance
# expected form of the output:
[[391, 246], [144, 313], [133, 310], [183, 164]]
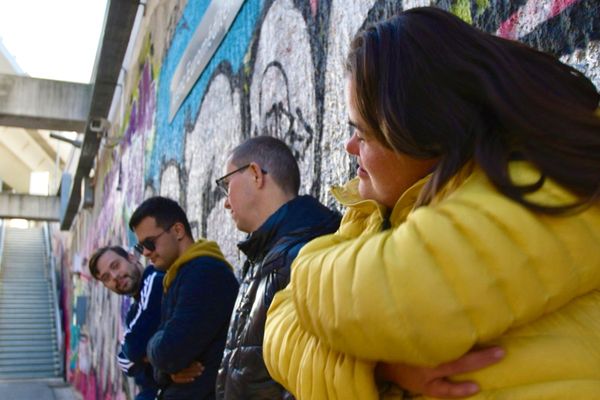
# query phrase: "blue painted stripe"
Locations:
[[169, 139]]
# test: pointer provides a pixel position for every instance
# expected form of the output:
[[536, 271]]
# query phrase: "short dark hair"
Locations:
[[274, 156], [429, 85], [165, 211], [93, 264]]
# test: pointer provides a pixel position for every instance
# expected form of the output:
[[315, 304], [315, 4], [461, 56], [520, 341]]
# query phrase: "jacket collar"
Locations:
[[348, 196], [293, 218], [201, 248], [261, 240]]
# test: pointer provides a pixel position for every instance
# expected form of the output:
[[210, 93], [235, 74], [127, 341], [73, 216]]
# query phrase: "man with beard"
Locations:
[[121, 273]]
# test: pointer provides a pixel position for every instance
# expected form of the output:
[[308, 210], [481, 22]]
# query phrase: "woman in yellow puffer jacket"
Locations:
[[474, 221]]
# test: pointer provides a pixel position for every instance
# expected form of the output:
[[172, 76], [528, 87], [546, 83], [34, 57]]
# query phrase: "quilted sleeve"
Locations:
[[305, 366], [448, 278]]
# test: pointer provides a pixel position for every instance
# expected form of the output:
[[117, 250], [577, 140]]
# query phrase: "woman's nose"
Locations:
[[352, 145]]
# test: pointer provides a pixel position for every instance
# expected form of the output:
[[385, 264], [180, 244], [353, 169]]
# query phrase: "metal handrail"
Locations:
[[51, 262], [2, 236]]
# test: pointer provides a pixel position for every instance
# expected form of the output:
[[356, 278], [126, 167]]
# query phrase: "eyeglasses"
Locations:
[[223, 182], [150, 243]]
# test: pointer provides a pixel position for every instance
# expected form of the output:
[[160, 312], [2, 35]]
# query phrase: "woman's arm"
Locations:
[[452, 276]]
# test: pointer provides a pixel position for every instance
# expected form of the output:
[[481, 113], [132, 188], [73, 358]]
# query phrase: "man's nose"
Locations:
[[226, 203], [114, 275]]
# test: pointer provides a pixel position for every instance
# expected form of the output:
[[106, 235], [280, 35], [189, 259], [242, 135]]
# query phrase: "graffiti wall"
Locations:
[[278, 71]]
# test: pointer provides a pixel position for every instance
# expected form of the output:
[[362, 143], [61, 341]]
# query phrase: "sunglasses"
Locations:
[[149, 243], [223, 182]]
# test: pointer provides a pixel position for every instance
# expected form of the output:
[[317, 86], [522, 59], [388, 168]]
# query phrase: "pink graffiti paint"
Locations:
[[559, 5], [314, 5], [529, 16]]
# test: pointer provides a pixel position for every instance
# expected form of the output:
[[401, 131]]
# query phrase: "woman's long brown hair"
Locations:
[[430, 85]]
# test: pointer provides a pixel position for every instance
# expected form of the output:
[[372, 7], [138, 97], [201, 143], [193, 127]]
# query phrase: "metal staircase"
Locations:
[[29, 346]]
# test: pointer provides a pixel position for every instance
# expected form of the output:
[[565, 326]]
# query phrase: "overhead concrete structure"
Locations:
[[31, 207], [66, 106], [117, 30], [44, 104], [25, 151]]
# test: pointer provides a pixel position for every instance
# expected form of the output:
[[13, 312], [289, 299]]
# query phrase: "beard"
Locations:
[[132, 283]]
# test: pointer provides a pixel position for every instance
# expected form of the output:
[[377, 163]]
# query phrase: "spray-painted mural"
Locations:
[[278, 71]]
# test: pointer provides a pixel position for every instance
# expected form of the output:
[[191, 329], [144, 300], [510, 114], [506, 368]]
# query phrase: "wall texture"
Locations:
[[277, 72]]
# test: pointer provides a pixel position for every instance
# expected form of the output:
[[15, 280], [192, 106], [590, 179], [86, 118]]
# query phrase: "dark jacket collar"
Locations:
[[298, 213]]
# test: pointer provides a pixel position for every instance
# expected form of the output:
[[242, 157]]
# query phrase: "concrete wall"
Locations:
[[278, 71]]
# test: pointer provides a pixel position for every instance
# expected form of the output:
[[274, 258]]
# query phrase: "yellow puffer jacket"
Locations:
[[473, 268]]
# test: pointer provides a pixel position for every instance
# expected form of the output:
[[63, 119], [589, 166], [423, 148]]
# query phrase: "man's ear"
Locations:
[[179, 230], [259, 176]]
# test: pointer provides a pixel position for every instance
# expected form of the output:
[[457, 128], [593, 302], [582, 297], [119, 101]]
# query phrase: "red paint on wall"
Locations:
[[532, 13], [507, 28]]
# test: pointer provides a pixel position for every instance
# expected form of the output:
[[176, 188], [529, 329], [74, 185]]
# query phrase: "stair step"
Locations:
[[11, 369], [41, 325], [35, 330], [27, 309], [47, 358], [30, 375], [11, 314], [27, 347], [26, 320], [29, 298], [16, 302], [16, 297], [12, 339]]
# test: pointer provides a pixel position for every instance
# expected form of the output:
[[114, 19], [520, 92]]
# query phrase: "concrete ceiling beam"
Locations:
[[31, 207], [34, 103]]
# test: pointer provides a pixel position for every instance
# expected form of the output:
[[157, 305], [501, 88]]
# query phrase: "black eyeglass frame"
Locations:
[[223, 185], [150, 243]]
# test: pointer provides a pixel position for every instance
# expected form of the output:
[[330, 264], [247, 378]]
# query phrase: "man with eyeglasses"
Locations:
[[261, 187], [122, 273], [199, 293]]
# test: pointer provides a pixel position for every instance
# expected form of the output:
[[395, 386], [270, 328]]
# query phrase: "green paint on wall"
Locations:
[[462, 9], [482, 5]]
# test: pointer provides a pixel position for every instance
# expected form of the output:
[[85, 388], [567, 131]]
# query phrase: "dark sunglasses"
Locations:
[[149, 243], [223, 182]]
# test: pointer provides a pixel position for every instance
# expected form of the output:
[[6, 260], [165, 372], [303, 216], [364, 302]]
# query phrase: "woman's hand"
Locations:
[[434, 382]]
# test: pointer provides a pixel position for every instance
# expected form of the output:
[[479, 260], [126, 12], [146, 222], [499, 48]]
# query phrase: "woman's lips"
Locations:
[[361, 172]]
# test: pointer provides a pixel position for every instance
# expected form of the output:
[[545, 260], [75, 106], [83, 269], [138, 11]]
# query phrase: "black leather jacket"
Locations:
[[270, 251]]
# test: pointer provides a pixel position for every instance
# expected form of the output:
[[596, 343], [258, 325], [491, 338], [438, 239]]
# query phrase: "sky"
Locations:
[[53, 39]]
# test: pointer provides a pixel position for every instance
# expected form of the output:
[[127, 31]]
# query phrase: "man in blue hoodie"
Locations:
[[121, 273], [198, 296]]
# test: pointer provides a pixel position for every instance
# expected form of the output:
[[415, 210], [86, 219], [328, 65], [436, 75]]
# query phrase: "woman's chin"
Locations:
[[365, 190]]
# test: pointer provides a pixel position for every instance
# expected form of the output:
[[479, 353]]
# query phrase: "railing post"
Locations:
[[51, 263], [2, 235]]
